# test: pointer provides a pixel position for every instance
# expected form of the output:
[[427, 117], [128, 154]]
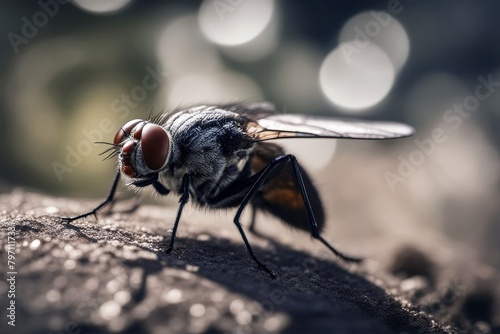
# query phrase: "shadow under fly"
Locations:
[[219, 156]]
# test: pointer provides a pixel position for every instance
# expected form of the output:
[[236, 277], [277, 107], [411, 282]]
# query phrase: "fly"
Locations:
[[220, 157]]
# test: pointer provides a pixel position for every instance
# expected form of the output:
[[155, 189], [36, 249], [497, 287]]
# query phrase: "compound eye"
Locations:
[[155, 145], [125, 130]]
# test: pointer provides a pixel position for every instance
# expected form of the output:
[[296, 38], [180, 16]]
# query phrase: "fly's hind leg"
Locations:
[[312, 221], [251, 227], [279, 161]]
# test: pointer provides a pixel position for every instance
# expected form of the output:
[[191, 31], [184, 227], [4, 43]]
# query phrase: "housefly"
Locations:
[[220, 156]]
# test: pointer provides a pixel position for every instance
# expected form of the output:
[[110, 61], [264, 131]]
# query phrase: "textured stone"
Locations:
[[111, 275]]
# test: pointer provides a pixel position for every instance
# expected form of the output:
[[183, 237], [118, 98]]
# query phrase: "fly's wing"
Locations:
[[301, 126]]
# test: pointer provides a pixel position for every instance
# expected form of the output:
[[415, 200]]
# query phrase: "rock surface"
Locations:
[[111, 275]]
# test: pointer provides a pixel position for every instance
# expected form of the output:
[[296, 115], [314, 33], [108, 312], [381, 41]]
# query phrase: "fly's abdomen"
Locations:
[[281, 195]]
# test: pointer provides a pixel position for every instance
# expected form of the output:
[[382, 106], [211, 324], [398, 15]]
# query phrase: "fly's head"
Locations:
[[144, 148]]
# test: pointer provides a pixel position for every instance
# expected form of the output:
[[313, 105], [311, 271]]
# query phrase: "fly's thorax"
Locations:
[[201, 156], [144, 148], [205, 140], [210, 145]]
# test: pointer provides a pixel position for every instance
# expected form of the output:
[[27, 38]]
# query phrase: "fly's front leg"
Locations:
[[108, 200], [152, 180], [160, 188], [182, 201], [133, 205]]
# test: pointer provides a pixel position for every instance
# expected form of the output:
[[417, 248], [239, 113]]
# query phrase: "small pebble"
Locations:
[[244, 317], [192, 268], [122, 297], [110, 310], [197, 310], [203, 237], [236, 306], [51, 209], [69, 264], [53, 296], [173, 296], [35, 244]]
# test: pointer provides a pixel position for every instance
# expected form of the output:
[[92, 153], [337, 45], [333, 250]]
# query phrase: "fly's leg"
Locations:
[[152, 180], [182, 201], [108, 200], [248, 197], [251, 227], [136, 203], [244, 237], [160, 188], [314, 227]]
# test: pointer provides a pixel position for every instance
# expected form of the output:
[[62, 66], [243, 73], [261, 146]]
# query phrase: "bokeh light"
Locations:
[[380, 28], [314, 154], [259, 47], [213, 87], [182, 48], [433, 94], [234, 22], [102, 7], [294, 78], [359, 80]]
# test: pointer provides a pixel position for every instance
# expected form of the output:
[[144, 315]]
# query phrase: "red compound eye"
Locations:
[[128, 147], [155, 145], [138, 130], [128, 128]]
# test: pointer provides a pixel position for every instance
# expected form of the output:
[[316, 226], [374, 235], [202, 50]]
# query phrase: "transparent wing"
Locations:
[[302, 126]]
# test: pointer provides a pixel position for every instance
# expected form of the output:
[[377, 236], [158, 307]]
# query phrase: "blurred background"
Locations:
[[73, 73]]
